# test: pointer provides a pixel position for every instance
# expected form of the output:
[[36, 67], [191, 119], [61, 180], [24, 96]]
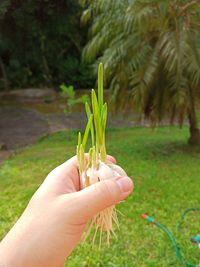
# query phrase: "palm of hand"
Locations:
[[55, 218]]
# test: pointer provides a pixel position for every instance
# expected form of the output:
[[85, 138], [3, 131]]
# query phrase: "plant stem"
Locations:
[[97, 131]]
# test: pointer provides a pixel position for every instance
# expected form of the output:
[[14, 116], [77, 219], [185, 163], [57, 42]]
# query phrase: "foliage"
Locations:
[[69, 93], [95, 128], [41, 43], [151, 50], [164, 186]]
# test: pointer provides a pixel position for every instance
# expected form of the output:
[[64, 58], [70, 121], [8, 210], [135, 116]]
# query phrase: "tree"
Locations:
[[41, 43], [4, 5], [151, 54]]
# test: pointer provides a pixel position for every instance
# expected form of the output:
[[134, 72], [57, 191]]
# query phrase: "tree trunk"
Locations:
[[4, 75], [194, 138], [47, 72]]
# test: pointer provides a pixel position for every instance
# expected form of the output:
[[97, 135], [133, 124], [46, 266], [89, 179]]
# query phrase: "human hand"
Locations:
[[55, 218]]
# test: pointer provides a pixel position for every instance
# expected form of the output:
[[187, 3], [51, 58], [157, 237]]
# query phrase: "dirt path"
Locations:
[[20, 127]]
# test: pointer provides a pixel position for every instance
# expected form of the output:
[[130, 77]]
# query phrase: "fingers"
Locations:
[[73, 163], [111, 159], [68, 172], [101, 195], [63, 179]]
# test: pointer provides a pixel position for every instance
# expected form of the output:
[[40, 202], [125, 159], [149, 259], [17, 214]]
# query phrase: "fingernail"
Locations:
[[125, 184]]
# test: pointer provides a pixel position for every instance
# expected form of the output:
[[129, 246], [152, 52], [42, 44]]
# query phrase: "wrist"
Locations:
[[13, 248], [8, 257]]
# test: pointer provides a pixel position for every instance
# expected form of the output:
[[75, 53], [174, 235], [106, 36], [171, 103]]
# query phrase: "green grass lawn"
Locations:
[[166, 174]]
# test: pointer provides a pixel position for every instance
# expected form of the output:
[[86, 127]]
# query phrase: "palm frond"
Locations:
[[151, 53], [86, 16]]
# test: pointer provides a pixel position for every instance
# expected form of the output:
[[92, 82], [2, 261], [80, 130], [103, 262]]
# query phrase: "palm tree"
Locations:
[[151, 55]]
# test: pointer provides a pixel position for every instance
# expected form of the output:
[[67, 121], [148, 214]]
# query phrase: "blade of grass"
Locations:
[[78, 148], [78, 156], [104, 120], [104, 117], [97, 122], [94, 158], [88, 111], [82, 158], [90, 157], [87, 129], [100, 87], [79, 138]]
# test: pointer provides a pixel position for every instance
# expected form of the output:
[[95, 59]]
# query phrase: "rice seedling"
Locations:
[[95, 167]]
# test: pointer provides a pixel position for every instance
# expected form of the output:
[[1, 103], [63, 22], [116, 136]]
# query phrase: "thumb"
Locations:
[[101, 195]]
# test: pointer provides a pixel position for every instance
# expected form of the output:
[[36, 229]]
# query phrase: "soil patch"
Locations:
[[21, 126]]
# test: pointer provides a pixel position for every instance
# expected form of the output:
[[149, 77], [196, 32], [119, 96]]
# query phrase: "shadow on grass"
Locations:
[[169, 148]]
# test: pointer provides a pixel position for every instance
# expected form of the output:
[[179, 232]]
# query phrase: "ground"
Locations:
[[21, 126], [165, 171]]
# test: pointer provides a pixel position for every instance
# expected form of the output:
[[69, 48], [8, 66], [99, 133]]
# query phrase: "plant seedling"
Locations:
[[72, 100], [96, 168]]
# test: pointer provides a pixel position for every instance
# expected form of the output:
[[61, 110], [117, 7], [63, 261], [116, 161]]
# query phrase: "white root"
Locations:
[[104, 171], [104, 220]]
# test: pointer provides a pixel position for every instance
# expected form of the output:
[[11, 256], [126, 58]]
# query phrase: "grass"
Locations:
[[167, 178]]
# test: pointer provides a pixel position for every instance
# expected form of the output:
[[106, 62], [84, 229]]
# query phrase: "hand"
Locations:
[[55, 218]]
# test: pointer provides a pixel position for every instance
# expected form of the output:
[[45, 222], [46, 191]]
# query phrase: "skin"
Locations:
[[56, 216]]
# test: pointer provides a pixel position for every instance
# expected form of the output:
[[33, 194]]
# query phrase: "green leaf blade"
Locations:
[[87, 129]]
